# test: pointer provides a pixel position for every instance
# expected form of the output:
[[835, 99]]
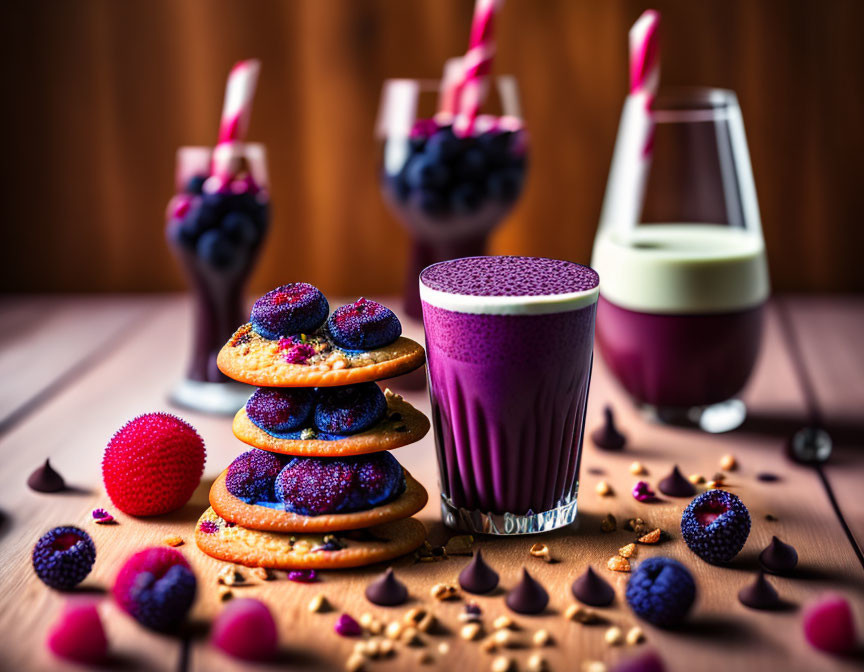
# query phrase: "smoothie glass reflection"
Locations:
[[509, 350], [682, 257]]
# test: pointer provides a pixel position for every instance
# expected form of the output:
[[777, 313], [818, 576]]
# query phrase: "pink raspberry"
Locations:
[[245, 629], [78, 635], [829, 625]]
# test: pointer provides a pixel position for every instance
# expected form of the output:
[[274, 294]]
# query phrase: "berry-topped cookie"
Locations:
[[290, 342], [330, 422]]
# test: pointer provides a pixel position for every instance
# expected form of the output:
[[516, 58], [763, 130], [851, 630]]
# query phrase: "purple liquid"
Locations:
[[509, 392], [679, 361]]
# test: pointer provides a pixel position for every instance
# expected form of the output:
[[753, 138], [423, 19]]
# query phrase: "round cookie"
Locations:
[[254, 548], [254, 516], [316, 361], [402, 426]]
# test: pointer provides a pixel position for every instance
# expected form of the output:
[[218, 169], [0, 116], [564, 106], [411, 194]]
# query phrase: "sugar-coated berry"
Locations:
[[647, 661], [294, 308], [829, 625], [156, 587], [315, 486], [661, 591], [245, 630], [252, 474], [715, 526], [63, 557], [364, 325], [78, 634], [349, 409], [276, 409], [153, 464]]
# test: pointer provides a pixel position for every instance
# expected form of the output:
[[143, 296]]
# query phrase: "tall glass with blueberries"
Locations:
[[216, 225]]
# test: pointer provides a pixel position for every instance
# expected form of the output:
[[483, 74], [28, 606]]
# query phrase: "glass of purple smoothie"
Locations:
[[509, 345], [216, 228], [682, 256]]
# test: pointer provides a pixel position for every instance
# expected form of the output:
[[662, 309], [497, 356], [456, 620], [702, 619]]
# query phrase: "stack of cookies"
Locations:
[[318, 489]]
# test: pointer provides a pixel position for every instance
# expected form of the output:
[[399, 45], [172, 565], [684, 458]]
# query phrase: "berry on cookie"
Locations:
[[251, 475], [276, 409], [295, 308], [350, 409], [363, 325]]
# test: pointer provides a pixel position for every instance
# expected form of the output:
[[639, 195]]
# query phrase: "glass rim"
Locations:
[[687, 104]]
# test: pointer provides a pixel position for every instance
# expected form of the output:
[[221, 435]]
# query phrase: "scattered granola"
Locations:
[[503, 622], [444, 591], [411, 617], [635, 636], [537, 663], [425, 658], [225, 593], [637, 468], [604, 489], [627, 551], [411, 637], [508, 639], [427, 623], [173, 540], [540, 550], [580, 614], [318, 604], [541, 637], [614, 636], [263, 573], [608, 524], [696, 479], [638, 525], [728, 463], [502, 664], [618, 564], [652, 537], [230, 575], [470, 631], [393, 630], [356, 663]]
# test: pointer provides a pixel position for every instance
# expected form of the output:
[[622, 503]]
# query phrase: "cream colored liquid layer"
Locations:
[[682, 268]]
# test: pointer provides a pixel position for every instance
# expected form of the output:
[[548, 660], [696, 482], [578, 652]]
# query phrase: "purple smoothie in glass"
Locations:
[[509, 349]]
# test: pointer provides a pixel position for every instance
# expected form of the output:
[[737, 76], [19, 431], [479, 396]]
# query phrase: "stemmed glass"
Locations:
[[449, 189], [216, 236], [681, 258]]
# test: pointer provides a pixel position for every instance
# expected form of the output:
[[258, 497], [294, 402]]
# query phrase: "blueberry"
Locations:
[[466, 198], [505, 185], [443, 145], [471, 165], [432, 203], [215, 248], [251, 475], [295, 308], [363, 325], [63, 557], [496, 146], [195, 184], [426, 172], [240, 229], [276, 409], [349, 409]]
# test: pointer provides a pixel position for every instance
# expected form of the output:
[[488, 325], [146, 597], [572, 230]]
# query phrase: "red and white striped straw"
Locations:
[[645, 54], [477, 64], [237, 108]]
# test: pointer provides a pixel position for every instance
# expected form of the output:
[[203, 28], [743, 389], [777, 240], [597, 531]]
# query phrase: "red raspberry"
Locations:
[[153, 464]]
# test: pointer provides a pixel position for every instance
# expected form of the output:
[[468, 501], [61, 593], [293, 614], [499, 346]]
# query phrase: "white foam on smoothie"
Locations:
[[682, 268]]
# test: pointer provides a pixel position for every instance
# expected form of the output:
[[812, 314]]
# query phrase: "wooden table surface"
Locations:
[[75, 369]]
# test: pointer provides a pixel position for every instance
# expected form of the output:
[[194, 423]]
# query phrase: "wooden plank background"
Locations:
[[134, 375], [100, 94]]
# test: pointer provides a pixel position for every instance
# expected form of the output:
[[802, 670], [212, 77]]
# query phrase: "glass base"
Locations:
[[506, 524], [714, 419], [213, 398]]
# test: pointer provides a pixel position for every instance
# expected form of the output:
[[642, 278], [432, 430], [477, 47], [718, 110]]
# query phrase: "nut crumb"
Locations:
[[427, 623], [593, 666], [651, 538], [541, 637], [263, 573], [425, 658], [614, 636], [771, 518], [502, 664], [728, 463], [411, 636], [318, 604], [503, 622], [173, 540], [627, 551], [638, 469], [225, 593], [537, 663], [489, 645], [413, 616], [355, 663], [470, 631], [393, 630], [229, 575], [604, 489], [444, 591], [696, 479], [443, 648], [385, 646], [638, 525], [635, 635], [608, 524], [508, 639], [618, 564], [540, 550], [578, 613]]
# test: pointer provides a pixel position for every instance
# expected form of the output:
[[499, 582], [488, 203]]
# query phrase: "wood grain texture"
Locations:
[[106, 92], [73, 426]]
